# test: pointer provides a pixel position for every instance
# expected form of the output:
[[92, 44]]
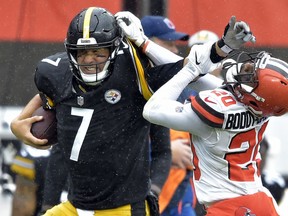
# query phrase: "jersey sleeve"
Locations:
[[30, 163], [207, 109], [52, 75], [24, 166], [219, 108], [159, 75]]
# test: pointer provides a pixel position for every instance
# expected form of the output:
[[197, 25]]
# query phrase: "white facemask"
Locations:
[[90, 79]]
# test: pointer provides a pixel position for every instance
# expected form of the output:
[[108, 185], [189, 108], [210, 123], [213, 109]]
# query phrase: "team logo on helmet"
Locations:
[[112, 96]]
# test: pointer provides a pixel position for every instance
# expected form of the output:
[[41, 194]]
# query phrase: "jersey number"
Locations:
[[241, 164], [86, 115], [49, 61], [244, 148], [227, 100]]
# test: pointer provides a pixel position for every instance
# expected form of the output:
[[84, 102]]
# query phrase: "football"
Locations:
[[47, 128]]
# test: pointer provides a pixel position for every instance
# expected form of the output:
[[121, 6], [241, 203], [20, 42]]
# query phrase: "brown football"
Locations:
[[47, 128]]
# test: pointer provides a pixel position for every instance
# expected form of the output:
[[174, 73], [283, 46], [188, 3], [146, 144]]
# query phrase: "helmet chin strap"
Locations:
[[241, 96], [257, 113], [94, 79], [89, 79], [257, 97]]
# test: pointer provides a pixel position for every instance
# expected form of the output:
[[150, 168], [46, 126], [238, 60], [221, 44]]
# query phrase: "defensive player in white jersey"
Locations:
[[226, 125]]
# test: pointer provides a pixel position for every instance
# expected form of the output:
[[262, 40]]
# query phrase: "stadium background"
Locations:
[[33, 29]]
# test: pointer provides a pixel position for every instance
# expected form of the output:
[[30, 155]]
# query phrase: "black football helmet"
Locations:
[[92, 28], [262, 88]]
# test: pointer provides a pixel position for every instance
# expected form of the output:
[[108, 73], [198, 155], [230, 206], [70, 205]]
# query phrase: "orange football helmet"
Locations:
[[262, 87]]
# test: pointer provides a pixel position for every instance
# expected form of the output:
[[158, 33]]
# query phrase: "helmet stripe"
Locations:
[[279, 66], [86, 24]]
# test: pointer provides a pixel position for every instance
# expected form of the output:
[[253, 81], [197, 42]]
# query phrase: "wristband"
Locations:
[[144, 45], [214, 57], [225, 48]]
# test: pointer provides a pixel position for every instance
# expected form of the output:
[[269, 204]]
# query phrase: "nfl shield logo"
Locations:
[[80, 100]]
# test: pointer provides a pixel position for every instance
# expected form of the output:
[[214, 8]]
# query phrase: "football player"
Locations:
[[98, 89], [227, 126], [29, 165]]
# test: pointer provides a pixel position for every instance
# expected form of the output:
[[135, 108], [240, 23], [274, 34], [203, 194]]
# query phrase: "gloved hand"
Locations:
[[9, 153], [235, 35], [131, 26], [199, 61]]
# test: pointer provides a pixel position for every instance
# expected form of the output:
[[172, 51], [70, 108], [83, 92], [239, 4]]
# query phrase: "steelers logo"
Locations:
[[112, 96]]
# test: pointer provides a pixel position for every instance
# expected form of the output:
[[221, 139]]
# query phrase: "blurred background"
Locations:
[[33, 29]]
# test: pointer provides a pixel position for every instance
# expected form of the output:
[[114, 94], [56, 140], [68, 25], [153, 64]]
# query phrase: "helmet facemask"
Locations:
[[238, 75], [264, 90], [100, 75], [242, 78]]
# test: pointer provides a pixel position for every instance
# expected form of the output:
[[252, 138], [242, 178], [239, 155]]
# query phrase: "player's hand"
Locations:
[[181, 153], [235, 35], [131, 26], [21, 129], [199, 62], [9, 153]]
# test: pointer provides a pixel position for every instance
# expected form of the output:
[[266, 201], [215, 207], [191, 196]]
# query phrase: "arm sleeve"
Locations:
[[163, 108], [160, 155], [206, 82], [159, 55], [159, 75]]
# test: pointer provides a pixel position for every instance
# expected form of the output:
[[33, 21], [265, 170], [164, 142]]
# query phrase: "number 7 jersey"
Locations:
[[228, 166]]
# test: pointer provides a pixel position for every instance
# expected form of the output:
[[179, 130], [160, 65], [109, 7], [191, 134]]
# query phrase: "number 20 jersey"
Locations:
[[229, 166]]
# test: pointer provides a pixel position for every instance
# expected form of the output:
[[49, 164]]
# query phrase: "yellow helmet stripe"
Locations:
[[86, 24]]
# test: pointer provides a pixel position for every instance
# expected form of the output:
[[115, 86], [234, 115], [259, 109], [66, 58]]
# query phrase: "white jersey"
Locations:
[[228, 167], [225, 138]]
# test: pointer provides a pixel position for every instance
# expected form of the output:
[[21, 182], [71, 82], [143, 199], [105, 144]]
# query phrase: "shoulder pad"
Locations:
[[219, 108], [52, 75], [207, 107]]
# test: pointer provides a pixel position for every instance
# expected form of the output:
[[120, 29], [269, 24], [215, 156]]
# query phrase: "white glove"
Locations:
[[9, 153], [200, 57], [235, 35], [131, 26]]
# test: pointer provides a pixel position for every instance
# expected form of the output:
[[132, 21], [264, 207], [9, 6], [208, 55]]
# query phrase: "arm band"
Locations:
[[215, 58], [225, 48]]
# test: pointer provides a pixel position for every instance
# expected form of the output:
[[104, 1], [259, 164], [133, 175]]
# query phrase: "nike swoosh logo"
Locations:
[[209, 101], [197, 63]]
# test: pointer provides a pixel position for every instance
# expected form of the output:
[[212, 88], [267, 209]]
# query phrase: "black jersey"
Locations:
[[101, 131]]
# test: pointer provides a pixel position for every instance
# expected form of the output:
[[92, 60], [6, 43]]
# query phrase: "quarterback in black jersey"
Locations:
[[98, 89]]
